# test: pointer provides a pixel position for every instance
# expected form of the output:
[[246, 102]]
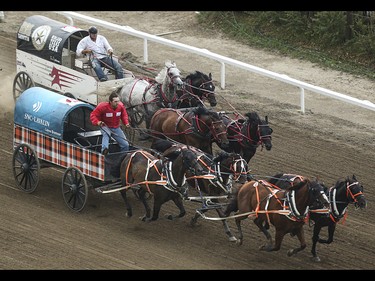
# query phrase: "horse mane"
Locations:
[[275, 178], [253, 116], [201, 110], [163, 73], [222, 155], [172, 153], [197, 74], [299, 185]]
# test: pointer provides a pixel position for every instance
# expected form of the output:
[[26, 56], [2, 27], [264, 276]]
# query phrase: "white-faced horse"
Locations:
[[142, 97]]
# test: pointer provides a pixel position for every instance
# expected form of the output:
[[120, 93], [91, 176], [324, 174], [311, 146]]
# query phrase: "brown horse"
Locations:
[[164, 178], [286, 210], [195, 127]]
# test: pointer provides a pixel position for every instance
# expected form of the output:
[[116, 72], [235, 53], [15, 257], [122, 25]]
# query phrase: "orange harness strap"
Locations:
[[151, 164]]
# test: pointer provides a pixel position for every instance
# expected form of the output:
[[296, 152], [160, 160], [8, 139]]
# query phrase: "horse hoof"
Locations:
[[239, 242], [315, 259], [290, 253], [232, 239], [266, 248], [144, 218], [169, 217]]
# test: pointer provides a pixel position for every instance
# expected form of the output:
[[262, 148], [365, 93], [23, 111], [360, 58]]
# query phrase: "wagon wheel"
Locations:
[[21, 82], [26, 168], [74, 189], [136, 117]]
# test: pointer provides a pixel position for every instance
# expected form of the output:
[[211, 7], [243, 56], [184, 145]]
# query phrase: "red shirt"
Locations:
[[111, 117]]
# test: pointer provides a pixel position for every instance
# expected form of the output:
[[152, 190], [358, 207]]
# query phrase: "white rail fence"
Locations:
[[223, 61]]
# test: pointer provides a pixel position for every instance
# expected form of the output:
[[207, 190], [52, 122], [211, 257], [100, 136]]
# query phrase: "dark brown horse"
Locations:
[[197, 88], [228, 168], [195, 127], [286, 210], [164, 178], [343, 193], [246, 135]]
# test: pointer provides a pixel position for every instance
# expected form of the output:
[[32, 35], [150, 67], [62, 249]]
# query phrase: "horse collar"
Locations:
[[197, 128]]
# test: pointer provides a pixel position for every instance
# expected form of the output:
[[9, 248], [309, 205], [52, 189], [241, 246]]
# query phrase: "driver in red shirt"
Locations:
[[107, 115]]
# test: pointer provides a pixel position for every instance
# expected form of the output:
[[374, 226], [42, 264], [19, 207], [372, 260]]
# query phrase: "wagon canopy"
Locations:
[[47, 38], [51, 113]]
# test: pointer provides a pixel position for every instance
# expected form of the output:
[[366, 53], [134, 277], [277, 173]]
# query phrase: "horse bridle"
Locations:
[[205, 91], [247, 135], [261, 137], [215, 125], [335, 214], [164, 101], [350, 193], [173, 77]]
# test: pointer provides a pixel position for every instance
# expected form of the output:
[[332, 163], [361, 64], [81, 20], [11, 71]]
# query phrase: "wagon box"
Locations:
[[47, 130], [46, 57]]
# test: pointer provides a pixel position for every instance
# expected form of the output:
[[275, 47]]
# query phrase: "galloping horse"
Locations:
[[165, 178], [143, 97], [286, 210], [197, 88], [196, 127], [245, 135], [227, 168], [343, 193]]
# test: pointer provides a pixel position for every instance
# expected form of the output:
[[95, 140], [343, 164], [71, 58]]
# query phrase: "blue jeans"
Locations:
[[117, 134], [97, 64]]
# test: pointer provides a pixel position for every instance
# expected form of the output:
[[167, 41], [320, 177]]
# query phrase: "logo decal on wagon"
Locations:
[[37, 106], [39, 36], [63, 78]]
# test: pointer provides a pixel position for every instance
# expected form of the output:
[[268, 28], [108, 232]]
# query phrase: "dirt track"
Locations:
[[332, 140]]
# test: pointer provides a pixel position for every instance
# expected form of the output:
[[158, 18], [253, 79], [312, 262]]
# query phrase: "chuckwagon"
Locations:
[[46, 57], [51, 129]]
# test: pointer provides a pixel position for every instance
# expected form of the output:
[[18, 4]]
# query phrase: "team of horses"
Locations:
[[182, 165]]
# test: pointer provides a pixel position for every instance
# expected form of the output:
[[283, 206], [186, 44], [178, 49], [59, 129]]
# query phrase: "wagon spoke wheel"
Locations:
[[74, 189], [26, 168], [21, 82]]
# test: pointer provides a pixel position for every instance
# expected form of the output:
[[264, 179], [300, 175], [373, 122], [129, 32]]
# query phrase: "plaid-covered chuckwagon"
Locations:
[[51, 129]]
